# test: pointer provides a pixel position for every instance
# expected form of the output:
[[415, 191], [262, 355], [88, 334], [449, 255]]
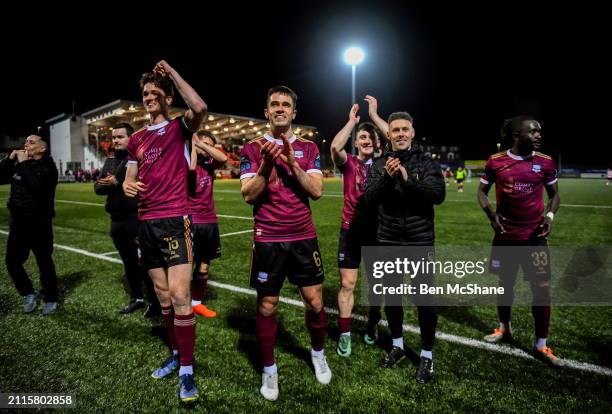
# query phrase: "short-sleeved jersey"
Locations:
[[201, 199], [519, 189], [460, 175], [354, 177], [163, 164], [283, 212]]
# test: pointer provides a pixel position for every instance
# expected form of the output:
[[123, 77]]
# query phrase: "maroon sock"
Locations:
[[344, 324], [541, 318], [198, 285], [265, 327], [184, 328], [168, 316], [316, 324]]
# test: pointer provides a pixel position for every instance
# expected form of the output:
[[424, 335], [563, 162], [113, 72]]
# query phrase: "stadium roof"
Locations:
[[225, 127]]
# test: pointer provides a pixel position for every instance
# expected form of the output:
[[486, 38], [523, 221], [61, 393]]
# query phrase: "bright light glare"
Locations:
[[354, 56]]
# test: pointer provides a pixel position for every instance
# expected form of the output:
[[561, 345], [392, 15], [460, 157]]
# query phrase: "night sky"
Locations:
[[458, 69]]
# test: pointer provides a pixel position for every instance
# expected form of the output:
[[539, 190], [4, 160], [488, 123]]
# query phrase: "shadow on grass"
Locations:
[[462, 315], [247, 343]]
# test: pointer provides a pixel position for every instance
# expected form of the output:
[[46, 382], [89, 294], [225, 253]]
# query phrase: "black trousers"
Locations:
[[35, 235], [124, 235]]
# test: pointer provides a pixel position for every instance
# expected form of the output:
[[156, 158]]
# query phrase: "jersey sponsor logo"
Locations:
[[536, 168], [299, 154], [522, 188], [245, 164], [262, 277], [318, 162], [152, 155]]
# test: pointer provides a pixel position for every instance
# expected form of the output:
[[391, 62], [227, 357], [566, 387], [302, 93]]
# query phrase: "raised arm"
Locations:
[[337, 146], [205, 149], [197, 107], [373, 113]]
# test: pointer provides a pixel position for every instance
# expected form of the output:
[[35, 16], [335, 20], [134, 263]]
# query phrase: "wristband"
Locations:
[[550, 215]]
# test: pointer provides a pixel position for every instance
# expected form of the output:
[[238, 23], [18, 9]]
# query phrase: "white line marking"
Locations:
[[82, 203], [237, 232], [102, 205], [562, 205], [461, 340], [236, 217], [328, 195], [109, 253]]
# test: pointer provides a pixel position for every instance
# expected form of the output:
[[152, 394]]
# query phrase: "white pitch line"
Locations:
[[461, 340], [109, 253], [562, 205], [102, 205], [82, 203], [340, 195], [235, 217], [237, 232]]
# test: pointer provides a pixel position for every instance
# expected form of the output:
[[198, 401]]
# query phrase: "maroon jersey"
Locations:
[[519, 189], [163, 165], [283, 213], [354, 176], [201, 199]]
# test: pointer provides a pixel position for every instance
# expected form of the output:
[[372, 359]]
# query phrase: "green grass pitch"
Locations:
[[105, 359]]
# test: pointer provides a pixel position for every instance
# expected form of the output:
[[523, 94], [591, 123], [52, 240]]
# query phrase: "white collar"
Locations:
[[518, 157], [157, 126], [368, 162], [279, 141]]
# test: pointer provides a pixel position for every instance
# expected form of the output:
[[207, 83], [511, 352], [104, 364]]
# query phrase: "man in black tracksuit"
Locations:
[[405, 184], [33, 177], [124, 225]]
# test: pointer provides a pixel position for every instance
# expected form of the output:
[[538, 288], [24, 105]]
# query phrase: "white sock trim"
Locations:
[[186, 370], [317, 354], [272, 369], [426, 354], [540, 343], [399, 342]]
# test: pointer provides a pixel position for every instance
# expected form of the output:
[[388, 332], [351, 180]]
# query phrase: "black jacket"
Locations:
[[33, 185], [118, 205], [405, 210]]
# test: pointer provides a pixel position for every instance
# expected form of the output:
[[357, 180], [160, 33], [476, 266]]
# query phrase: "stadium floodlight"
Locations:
[[353, 56]]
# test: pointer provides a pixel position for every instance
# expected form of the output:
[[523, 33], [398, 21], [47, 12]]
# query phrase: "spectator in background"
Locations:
[[33, 177], [123, 212]]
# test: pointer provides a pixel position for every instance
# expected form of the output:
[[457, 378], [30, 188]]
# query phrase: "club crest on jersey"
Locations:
[[245, 164], [262, 277], [536, 168], [299, 154], [161, 131]]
